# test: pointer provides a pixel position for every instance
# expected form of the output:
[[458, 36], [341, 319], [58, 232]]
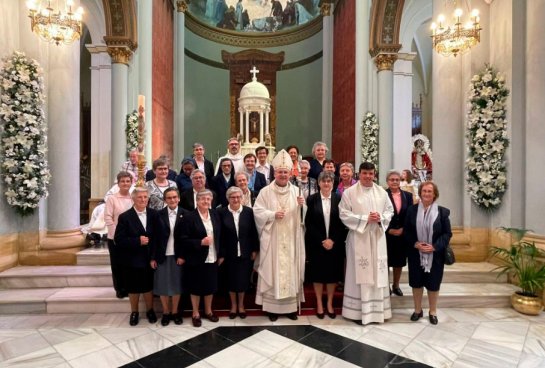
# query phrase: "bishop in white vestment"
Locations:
[[278, 213], [366, 210]]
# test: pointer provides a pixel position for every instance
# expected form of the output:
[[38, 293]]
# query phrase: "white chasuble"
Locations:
[[366, 283], [282, 254]]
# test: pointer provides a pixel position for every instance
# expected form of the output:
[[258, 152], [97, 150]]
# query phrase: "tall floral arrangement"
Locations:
[[486, 133], [131, 131], [23, 131], [369, 139]]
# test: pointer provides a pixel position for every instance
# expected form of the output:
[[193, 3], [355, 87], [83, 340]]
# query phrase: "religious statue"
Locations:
[[421, 158]]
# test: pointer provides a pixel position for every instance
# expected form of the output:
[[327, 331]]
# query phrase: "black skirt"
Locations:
[[201, 279], [397, 251], [138, 279], [239, 271], [325, 266]]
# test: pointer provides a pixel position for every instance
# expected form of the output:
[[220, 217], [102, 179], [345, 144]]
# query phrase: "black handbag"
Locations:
[[450, 259]]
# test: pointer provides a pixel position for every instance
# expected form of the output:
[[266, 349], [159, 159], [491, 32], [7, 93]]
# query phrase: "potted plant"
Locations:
[[521, 261]]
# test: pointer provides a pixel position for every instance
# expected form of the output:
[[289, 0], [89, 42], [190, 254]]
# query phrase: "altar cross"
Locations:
[[254, 71]]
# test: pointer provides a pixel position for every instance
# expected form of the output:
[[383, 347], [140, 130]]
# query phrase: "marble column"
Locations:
[[120, 67], [63, 210], [362, 73], [145, 72], [535, 129], [403, 92], [385, 66], [327, 72], [179, 82], [101, 119]]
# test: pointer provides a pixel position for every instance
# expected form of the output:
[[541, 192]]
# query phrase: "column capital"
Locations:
[[182, 5], [120, 55], [325, 9], [385, 61]]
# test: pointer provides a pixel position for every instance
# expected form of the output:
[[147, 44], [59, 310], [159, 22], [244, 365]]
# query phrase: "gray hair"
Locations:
[[242, 173], [232, 190], [139, 190], [347, 164], [304, 162], [197, 144], [391, 173], [324, 175], [317, 144], [195, 172], [204, 192]]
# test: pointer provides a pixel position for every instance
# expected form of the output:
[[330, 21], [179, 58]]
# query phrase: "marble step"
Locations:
[[100, 275], [473, 272], [103, 300], [22, 277], [93, 256]]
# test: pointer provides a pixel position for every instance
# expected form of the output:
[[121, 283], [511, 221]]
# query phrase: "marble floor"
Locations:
[[464, 337]]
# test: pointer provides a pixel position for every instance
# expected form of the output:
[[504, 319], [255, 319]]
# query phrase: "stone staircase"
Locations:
[[87, 288]]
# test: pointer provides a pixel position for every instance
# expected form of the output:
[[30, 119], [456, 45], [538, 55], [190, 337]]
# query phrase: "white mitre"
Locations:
[[282, 161]]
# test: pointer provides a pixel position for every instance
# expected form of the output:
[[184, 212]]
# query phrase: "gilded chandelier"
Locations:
[[454, 39], [55, 26]]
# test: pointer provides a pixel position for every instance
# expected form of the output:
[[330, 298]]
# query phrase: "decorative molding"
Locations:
[[121, 23], [325, 9], [181, 6], [120, 55], [302, 62], [385, 61], [254, 40], [385, 24], [219, 65]]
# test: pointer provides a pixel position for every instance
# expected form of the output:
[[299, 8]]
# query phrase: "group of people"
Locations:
[[290, 220]]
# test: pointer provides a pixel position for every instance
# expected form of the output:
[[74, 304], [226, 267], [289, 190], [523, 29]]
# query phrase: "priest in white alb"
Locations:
[[279, 213], [366, 210]]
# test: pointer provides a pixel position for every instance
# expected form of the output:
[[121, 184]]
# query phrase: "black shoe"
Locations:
[[232, 315], [242, 315], [292, 316], [397, 291], [152, 318], [358, 322], [320, 315], [331, 315], [133, 320], [121, 294], [165, 320], [212, 317], [433, 319], [178, 320], [273, 317], [416, 316], [196, 321]]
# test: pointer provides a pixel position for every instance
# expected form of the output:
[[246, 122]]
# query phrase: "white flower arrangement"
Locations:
[[486, 132], [23, 132], [369, 139], [131, 131]]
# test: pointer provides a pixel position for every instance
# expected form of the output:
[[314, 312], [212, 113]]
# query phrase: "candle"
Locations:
[[141, 101]]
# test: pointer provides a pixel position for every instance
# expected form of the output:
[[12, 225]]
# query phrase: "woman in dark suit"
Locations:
[[201, 161], [395, 241], [324, 239], [200, 238], [223, 180], [240, 244], [166, 257], [428, 232], [132, 237]]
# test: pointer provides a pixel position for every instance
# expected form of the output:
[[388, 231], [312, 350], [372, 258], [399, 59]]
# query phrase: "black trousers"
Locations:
[[118, 273]]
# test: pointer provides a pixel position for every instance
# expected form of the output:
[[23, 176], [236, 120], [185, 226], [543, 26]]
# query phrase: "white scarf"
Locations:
[[424, 231]]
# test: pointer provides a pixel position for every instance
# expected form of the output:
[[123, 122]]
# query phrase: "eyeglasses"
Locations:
[[235, 197]]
